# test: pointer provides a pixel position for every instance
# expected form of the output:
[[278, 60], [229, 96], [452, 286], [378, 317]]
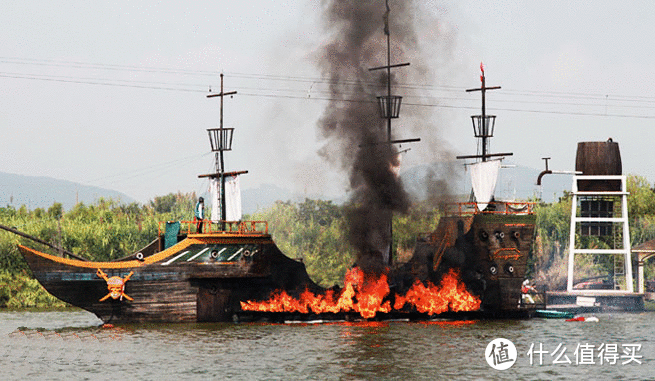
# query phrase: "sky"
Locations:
[[113, 94]]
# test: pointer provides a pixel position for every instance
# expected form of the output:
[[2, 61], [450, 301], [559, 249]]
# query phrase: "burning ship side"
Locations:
[[475, 260], [488, 248], [487, 241]]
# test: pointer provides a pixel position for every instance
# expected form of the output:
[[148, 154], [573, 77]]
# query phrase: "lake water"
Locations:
[[71, 345]]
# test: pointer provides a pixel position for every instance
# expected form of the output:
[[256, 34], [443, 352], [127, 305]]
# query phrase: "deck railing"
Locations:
[[462, 209], [471, 208], [227, 227]]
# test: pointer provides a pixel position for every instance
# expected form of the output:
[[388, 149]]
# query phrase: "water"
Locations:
[[72, 345]]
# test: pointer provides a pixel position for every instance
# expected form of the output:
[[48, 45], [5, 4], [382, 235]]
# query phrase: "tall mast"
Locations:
[[221, 140], [389, 106], [483, 125]]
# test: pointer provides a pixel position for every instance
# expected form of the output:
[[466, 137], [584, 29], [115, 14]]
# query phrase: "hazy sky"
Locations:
[[113, 93]]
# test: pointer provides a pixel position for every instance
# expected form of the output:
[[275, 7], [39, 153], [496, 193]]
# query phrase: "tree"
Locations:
[[164, 204], [641, 201], [56, 211]]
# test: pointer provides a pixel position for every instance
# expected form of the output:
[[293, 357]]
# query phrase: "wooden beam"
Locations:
[[392, 142], [221, 94], [389, 66], [59, 249], [487, 155], [226, 174]]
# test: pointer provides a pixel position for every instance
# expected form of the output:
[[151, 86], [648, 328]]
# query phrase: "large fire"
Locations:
[[365, 295]]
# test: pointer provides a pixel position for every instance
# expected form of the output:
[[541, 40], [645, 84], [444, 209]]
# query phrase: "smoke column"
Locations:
[[351, 123]]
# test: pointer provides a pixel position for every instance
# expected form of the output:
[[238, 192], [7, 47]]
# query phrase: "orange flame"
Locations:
[[450, 295], [365, 295]]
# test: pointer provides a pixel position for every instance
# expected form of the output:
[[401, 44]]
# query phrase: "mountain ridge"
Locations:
[[42, 191]]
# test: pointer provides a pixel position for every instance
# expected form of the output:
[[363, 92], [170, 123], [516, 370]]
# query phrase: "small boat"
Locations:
[[590, 319], [554, 314]]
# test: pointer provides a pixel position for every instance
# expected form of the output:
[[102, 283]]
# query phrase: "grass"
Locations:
[[22, 292], [649, 305]]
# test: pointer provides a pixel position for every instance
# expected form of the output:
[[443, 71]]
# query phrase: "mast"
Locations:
[[483, 175], [483, 125], [221, 140], [389, 106]]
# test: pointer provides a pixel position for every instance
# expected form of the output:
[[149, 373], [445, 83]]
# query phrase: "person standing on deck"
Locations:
[[199, 214]]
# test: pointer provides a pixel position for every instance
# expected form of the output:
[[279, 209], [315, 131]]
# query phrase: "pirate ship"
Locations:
[[486, 239], [193, 271]]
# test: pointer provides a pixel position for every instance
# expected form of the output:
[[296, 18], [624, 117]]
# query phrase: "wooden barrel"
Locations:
[[598, 159]]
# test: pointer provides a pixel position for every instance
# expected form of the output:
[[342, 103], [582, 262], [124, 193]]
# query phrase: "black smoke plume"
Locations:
[[352, 123]]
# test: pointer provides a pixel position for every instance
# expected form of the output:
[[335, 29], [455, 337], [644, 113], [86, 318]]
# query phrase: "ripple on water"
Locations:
[[70, 344]]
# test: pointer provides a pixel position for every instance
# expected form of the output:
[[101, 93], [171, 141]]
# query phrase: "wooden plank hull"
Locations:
[[182, 284], [489, 250]]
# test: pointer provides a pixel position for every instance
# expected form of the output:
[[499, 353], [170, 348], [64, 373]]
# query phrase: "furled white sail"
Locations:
[[215, 194], [483, 179], [232, 198]]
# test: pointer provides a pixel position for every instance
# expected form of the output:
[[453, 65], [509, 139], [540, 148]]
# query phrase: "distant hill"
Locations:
[[256, 199], [515, 182], [41, 192]]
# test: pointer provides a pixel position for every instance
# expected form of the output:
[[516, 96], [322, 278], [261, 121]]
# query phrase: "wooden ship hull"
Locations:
[[202, 278], [489, 249]]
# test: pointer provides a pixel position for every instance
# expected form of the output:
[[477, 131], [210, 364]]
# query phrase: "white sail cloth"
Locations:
[[215, 195], [483, 179], [232, 198]]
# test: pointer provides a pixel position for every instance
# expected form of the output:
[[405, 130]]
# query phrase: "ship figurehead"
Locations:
[[115, 285]]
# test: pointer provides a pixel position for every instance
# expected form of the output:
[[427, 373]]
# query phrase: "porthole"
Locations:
[[509, 268]]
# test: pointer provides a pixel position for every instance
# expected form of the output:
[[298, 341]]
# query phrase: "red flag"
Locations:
[[482, 70]]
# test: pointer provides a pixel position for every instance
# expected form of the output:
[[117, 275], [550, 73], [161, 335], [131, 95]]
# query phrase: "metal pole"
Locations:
[[222, 164], [390, 261], [572, 229]]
